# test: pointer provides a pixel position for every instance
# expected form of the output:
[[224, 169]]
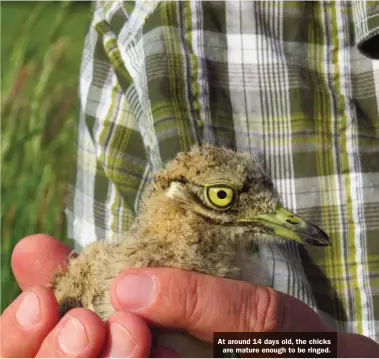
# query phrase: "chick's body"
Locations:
[[186, 221]]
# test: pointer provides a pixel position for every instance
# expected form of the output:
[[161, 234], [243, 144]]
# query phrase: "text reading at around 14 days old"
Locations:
[[275, 345]]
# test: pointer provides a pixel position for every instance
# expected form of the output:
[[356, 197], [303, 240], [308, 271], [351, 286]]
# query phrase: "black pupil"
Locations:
[[221, 194]]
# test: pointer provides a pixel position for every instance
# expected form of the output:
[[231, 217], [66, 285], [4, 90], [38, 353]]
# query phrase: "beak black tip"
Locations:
[[319, 240]]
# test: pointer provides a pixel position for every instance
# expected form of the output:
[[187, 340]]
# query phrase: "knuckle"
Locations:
[[191, 300], [186, 298], [266, 310], [245, 310]]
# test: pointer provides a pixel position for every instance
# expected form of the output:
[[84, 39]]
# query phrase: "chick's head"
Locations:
[[230, 189]]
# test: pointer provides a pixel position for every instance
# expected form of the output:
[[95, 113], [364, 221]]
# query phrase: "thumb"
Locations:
[[36, 259], [203, 304]]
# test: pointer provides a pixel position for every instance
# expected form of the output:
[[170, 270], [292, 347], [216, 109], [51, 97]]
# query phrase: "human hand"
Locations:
[[202, 304], [30, 326], [195, 302]]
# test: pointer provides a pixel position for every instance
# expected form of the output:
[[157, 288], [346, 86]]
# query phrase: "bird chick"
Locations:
[[200, 213]]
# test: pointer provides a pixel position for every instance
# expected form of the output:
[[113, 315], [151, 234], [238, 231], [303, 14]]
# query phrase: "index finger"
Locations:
[[36, 259]]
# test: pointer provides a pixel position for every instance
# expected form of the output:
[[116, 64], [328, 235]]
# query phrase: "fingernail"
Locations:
[[73, 338], [136, 291], [28, 312], [121, 343]]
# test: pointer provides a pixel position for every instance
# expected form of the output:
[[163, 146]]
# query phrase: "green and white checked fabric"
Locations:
[[294, 83]]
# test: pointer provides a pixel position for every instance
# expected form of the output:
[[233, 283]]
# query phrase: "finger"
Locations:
[[27, 321], [356, 346], [36, 258], [80, 333], [192, 301], [128, 337]]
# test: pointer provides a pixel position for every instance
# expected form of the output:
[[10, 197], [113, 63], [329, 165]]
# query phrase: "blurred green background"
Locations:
[[41, 47]]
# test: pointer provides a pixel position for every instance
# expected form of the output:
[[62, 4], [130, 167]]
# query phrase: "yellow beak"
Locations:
[[286, 224]]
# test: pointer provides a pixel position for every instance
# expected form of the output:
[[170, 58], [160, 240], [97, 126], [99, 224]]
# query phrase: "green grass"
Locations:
[[41, 47]]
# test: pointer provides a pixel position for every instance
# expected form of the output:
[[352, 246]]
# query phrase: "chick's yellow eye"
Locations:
[[220, 197]]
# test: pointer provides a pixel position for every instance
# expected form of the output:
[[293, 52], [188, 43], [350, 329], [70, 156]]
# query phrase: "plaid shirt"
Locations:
[[294, 83]]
